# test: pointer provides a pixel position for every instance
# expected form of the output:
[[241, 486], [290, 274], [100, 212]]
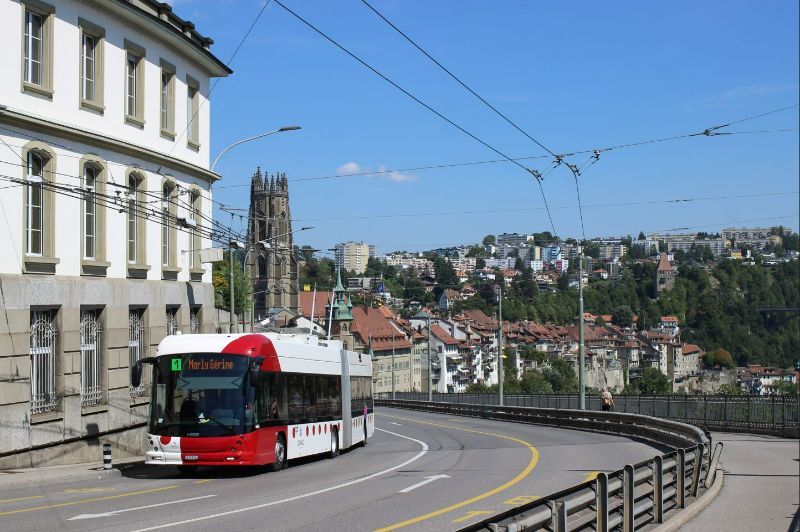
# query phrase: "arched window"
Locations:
[[262, 267], [195, 204], [136, 219], [166, 211], [34, 203], [90, 173]]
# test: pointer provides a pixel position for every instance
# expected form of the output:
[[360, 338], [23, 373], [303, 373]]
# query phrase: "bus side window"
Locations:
[[323, 406], [294, 386], [310, 397], [280, 396]]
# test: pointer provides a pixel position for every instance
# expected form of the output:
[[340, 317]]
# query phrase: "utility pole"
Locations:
[[581, 347], [392, 365], [500, 369], [430, 364]]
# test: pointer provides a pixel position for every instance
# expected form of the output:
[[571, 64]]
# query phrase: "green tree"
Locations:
[[478, 252], [622, 316], [533, 381], [785, 388], [730, 389], [242, 286], [719, 358], [476, 387], [489, 240], [652, 381]]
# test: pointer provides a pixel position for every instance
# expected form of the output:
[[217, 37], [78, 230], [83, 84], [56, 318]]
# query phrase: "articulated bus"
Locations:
[[254, 399]]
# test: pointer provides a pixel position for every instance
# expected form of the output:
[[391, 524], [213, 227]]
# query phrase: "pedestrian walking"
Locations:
[[606, 400]]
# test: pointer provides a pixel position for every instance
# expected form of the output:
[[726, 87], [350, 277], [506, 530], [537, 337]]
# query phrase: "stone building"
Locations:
[[665, 275], [270, 258], [106, 198]]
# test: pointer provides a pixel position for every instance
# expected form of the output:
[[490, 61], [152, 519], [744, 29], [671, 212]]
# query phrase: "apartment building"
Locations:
[[353, 256]]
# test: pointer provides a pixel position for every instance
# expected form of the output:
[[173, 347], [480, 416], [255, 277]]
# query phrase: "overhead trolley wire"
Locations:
[[404, 91]]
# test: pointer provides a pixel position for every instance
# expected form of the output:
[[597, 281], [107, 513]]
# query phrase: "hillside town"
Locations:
[[464, 342]]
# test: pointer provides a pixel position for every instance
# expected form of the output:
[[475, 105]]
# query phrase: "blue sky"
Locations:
[[575, 75]]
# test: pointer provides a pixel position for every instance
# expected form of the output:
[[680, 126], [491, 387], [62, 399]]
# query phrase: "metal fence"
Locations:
[[777, 414], [636, 496]]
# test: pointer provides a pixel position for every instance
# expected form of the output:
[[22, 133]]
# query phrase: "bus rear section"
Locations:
[[255, 399]]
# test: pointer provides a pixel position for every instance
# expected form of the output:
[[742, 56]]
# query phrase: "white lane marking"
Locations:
[[427, 480], [304, 495], [393, 423], [115, 512]]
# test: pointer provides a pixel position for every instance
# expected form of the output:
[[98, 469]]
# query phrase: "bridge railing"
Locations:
[[641, 494], [777, 414]]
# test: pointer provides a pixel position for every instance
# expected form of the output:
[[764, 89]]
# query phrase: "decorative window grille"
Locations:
[[136, 344], [172, 320], [91, 391], [194, 320], [43, 361]]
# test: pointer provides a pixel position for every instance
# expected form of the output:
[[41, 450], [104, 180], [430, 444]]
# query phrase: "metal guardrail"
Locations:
[[635, 496], [777, 414]]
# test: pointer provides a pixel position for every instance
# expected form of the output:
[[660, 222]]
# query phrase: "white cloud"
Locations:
[[349, 168], [735, 93], [383, 172]]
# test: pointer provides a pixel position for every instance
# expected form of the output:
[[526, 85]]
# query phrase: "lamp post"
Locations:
[[261, 135], [235, 244]]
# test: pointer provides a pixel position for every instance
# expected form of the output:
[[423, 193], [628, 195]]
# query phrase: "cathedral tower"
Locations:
[[271, 263]]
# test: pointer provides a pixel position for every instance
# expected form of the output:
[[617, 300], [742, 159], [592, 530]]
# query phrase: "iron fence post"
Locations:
[[783, 415], [628, 501], [773, 412], [697, 466], [725, 411], [558, 511], [748, 411], [658, 489], [680, 478], [705, 410], [601, 493], [669, 410]]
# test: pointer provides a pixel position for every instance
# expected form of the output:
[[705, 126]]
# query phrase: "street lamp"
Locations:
[[223, 152]]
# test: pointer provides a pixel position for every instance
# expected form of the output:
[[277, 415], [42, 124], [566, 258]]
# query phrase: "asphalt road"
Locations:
[[420, 471]]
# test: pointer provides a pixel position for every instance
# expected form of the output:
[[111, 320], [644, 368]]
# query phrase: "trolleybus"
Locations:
[[254, 399]]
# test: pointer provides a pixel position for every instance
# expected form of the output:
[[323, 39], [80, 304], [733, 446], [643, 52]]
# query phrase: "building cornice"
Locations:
[[158, 20], [23, 120]]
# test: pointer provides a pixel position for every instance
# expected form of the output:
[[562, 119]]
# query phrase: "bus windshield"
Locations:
[[201, 394]]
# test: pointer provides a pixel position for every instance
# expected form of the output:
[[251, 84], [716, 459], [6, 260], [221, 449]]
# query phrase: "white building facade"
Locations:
[[106, 192]]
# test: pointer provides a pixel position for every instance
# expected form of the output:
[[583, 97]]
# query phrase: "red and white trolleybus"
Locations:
[[254, 399]]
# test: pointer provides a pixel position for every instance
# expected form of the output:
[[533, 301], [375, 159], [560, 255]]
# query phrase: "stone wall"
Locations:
[[117, 410]]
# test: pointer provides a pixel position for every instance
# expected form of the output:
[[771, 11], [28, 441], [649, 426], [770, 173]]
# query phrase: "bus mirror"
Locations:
[[136, 371], [255, 370]]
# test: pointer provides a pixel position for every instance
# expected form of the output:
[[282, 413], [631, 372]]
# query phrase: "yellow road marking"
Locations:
[[87, 490], [96, 499], [591, 476], [202, 481], [521, 499], [22, 498], [471, 514], [525, 472]]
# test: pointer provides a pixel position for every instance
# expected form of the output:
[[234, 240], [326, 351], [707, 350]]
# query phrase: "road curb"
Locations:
[[42, 477], [691, 511]]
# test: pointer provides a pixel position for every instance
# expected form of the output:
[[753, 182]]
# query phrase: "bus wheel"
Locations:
[[334, 444], [280, 453], [187, 469]]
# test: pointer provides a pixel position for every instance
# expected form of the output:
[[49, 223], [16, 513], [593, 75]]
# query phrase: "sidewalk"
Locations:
[[41, 476], [760, 492]]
